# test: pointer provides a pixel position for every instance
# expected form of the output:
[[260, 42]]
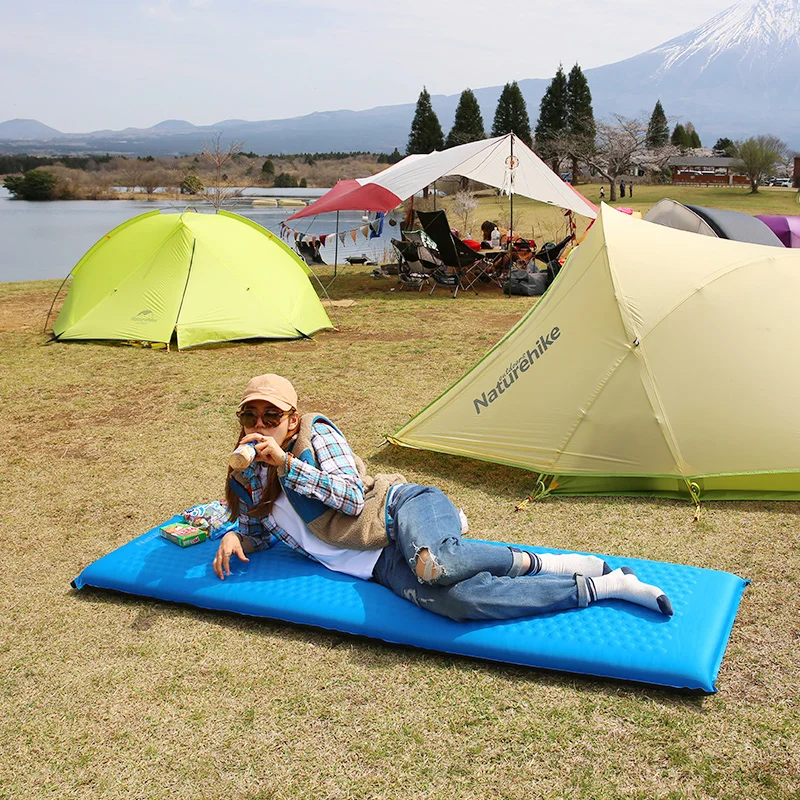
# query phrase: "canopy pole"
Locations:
[[434, 195], [336, 246], [511, 195]]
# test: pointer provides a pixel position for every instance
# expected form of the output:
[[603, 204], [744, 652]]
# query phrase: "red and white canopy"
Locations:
[[504, 162]]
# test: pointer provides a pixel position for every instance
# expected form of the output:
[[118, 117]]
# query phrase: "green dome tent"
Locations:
[[206, 277]]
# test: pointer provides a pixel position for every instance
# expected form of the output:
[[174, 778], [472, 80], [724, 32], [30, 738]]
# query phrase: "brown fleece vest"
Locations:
[[367, 531]]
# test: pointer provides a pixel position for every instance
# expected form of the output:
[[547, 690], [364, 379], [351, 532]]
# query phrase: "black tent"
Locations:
[[737, 226]]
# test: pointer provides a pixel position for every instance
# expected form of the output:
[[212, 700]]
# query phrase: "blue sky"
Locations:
[[86, 65]]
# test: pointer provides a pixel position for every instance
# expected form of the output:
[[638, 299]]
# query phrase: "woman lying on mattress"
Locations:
[[309, 490]]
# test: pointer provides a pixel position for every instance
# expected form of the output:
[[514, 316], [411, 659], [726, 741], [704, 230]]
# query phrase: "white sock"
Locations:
[[567, 564], [622, 584]]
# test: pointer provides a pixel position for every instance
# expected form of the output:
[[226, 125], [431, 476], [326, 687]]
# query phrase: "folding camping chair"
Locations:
[[465, 265], [309, 252], [417, 263], [549, 254]]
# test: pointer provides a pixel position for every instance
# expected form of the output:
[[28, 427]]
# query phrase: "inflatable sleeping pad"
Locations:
[[608, 639]]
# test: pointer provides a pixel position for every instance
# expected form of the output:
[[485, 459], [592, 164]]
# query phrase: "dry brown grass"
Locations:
[[110, 696]]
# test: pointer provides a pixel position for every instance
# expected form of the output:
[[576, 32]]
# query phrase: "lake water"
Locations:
[[45, 240]]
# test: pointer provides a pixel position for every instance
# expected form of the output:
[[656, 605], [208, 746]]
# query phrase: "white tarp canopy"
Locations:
[[504, 162]]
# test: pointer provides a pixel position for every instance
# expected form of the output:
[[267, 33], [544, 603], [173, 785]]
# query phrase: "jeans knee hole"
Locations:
[[426, 567]]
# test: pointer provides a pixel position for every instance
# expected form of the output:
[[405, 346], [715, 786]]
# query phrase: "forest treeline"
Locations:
[[565, 135], [101, 177]]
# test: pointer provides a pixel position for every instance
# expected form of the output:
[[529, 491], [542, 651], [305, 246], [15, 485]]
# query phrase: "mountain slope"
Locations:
[[26, 129], [736, 75]]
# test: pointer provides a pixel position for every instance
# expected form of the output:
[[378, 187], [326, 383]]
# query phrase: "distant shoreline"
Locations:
[[290, 197]]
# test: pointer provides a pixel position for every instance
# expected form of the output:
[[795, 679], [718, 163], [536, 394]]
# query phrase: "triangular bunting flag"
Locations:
[[354, 236]]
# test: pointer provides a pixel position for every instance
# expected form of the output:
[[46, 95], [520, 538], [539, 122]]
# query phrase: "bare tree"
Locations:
[[227, 181], [561, 150], [464, 203], [132, 171], [656, 159], [151, 180], [171, 179], [618, 146]]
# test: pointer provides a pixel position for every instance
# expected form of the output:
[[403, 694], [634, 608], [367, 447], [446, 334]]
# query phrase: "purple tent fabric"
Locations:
[[787, 229]]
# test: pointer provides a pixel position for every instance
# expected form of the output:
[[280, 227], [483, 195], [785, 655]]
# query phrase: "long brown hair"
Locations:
[[271, 490]]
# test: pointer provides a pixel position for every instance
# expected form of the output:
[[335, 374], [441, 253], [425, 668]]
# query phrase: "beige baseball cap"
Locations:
[[272, 388]]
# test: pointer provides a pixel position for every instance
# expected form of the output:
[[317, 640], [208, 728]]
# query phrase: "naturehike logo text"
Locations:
[[144, 316], [522, 364]]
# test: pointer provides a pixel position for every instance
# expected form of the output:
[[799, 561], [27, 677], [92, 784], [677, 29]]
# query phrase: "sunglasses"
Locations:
[[271, 418]]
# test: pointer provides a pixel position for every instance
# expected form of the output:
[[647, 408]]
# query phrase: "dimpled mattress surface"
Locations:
[[609, 639]]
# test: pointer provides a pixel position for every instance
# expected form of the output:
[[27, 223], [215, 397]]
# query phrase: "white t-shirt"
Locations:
[[358, 563]]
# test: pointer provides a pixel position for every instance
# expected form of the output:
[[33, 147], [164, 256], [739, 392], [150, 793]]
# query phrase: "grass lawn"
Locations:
[[109, 696]]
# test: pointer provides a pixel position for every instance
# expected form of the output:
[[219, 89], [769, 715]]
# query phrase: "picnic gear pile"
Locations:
[[198, 523]]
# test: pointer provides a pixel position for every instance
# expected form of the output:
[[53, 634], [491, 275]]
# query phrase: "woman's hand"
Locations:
[[230, 544], [268, 451]]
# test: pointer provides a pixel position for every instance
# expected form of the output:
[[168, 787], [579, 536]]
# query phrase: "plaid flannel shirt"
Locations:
[[336, 483]]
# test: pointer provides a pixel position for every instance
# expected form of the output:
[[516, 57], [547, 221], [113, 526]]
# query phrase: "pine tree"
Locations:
[[580, 117], [511, 114], [552, 126], [657, 128], [426, 132], [468, 123], [679, 136], [724, 147], [692, 137]]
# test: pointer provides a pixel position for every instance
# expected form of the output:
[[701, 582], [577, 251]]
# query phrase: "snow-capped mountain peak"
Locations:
[[755, 30]]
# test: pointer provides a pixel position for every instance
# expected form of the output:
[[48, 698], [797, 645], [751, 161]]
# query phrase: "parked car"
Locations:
[[781, 182]]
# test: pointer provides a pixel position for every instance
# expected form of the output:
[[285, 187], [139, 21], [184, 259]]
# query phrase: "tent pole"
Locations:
[[511, 192], [434, 195], [44, 329], [336, 246]]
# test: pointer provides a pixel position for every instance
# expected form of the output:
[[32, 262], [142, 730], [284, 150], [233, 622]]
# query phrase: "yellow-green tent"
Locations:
[[206, 277], [659, 362]]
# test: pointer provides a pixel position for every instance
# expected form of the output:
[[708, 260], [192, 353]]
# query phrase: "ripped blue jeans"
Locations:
[[463, 579]]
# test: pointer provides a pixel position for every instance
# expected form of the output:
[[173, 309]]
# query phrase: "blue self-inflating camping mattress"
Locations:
[[608, 639]]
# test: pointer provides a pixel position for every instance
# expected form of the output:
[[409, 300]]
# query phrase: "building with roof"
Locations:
[[706, 170]]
